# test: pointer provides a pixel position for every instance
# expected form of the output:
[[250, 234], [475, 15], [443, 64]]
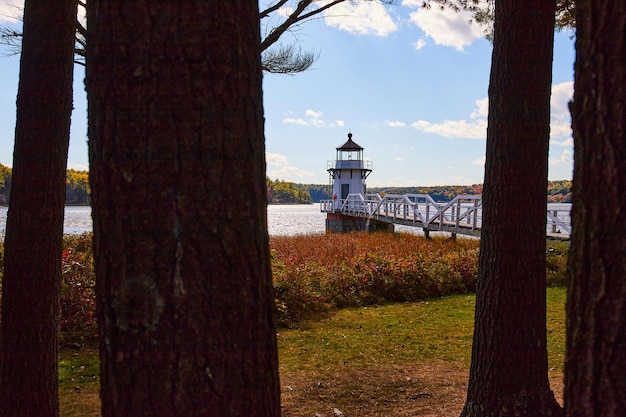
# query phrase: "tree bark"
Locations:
[[595, 367], [509, 369], [177, 171], [34, 230]]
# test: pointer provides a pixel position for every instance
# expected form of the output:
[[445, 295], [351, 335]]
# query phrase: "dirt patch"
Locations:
[[425, 390], [433, 389], [557, 386]]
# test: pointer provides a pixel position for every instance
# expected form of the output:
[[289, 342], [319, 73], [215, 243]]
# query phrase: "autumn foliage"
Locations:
[[315, 274], [76, 186], [78, 297]]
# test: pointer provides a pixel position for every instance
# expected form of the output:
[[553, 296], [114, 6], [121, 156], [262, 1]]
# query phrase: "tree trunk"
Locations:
[[177, 171], [509, 369], [34, 230], [595, 367]]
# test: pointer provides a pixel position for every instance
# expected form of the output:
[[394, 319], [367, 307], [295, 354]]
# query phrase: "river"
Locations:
[[283, 220]]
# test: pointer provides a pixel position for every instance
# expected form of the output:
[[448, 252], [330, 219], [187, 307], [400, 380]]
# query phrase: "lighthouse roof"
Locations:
[[350, 145]]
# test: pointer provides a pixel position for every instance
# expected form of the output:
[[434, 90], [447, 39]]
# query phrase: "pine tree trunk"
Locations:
[[185, 298], [34, 230], [509, 369], [595, 367]]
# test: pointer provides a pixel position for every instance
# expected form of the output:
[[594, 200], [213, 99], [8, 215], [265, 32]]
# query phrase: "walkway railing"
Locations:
[[461, 215]]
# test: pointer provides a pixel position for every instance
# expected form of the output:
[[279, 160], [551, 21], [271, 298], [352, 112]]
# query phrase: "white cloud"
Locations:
[[395, 123], [560, 118], [75, 165], [82, 15], [313, 114], [275, 159], [291, 120], [312, 118], [446, 27], [419, 44], [566, 157], [482, 108], [317, 122], [283, 170], [567, 142], [475, 129], [11, 11], [479, 161], [289, 172], [363, 18], [559, 128], [285, 11], [454, 128]]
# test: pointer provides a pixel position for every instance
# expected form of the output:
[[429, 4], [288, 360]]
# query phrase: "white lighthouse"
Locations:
[[348, 172], [347, 178]]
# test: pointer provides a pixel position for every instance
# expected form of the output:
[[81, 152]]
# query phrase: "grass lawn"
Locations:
[[404, 359], [78, 382]]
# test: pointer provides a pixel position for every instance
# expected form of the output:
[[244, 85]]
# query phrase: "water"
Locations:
[[286, 220], [77, 220], [289, 220], [283, 220]]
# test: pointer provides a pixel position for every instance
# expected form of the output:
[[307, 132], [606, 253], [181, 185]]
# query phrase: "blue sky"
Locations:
[[409, 84]]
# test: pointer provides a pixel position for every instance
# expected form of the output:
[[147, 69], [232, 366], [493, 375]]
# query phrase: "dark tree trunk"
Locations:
[[177, 171], [595, 367], [34, 231], [509, 370]]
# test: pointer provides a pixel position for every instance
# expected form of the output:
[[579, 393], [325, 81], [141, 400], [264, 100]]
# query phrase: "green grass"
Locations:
[[437, 330], [79, 382], [390, 333], [556, 330]]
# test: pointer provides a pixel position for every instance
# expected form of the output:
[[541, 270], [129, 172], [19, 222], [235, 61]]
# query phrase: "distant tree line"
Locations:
[[293, 193], [438, 193], [5, 184], [76, 186], [317, 191], [284, 192], [558, 191]]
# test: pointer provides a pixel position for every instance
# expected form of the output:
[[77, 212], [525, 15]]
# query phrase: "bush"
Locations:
[[77, 321], [314, 274], [557, 253], [78, 294]]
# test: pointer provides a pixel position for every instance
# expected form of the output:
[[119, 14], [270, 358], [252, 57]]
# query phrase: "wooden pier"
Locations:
[[460, 216]]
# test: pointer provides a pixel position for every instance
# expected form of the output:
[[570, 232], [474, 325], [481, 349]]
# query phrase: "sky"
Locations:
[[410, 84]]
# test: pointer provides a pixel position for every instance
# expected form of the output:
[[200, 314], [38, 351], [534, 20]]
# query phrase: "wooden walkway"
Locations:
[[462, 215]]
